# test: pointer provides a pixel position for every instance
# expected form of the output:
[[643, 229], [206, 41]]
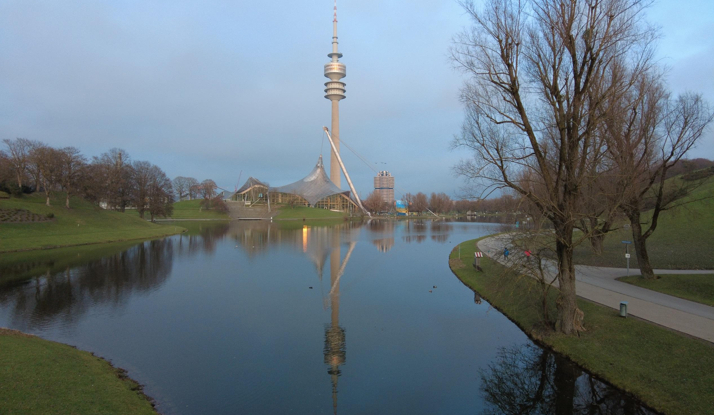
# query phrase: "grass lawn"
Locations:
[[302, 212], [684, 238], [43, 377], [670, 372], [693, 287], [190, 209], [83, 224]]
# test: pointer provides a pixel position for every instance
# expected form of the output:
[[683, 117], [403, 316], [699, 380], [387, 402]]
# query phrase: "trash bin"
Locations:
[[623, 309]]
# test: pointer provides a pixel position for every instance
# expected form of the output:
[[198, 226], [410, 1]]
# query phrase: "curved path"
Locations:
[[598, 284]]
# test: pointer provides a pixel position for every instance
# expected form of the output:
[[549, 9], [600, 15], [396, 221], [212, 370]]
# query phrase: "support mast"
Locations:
[[344, 170]]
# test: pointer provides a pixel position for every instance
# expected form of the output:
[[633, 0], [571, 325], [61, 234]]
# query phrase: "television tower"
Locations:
[[335, 91]]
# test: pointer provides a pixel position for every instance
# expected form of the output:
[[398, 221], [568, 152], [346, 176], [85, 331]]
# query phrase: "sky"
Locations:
[[225, 90]]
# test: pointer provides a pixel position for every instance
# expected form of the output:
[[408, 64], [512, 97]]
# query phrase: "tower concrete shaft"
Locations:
[[335, 91]]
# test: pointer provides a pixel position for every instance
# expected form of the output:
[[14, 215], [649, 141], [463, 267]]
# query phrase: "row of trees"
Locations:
[[566, 106], [207, 190], [111, 180], [501, 204], [188, 188], [438, 203]]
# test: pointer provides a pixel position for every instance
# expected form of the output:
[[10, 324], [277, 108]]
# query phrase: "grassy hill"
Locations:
[[684, 238], [189, 209], [83, 224]]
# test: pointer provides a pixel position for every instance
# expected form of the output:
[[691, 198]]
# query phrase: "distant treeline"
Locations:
[[111, 180]]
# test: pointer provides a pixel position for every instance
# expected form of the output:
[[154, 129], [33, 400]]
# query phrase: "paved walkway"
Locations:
[[598, 284]]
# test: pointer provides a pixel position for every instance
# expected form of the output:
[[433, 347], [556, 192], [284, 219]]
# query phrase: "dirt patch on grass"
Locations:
[[11, 332], [456, 263]]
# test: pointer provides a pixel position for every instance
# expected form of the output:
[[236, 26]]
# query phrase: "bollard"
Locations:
[[623, 309]]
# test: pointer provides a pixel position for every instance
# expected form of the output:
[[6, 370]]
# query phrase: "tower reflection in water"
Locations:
[[317, 243]]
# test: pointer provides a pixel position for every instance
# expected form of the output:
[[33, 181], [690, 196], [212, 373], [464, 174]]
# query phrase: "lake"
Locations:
[[253, 317]]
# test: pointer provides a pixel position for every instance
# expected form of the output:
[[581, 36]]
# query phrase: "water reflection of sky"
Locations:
[[260, 317]]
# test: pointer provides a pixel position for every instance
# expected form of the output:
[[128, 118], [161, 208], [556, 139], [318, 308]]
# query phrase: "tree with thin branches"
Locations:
[[538, 76]]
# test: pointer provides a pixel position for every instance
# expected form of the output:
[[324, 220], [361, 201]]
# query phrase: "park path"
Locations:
[[598, 284]]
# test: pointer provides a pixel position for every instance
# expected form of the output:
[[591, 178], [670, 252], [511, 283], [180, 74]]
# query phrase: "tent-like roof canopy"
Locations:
[[314, 187], [250, 183]]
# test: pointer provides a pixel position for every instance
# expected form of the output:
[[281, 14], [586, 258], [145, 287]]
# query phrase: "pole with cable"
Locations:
[[344, 170]]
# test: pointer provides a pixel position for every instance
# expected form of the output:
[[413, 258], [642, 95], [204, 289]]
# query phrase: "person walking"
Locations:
[[505, 252]]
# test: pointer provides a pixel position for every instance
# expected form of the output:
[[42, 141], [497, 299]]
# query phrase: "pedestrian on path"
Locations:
[[528, 255], [505, 252]]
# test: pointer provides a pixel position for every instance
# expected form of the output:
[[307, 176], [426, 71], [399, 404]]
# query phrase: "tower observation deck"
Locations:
[[335, 91]]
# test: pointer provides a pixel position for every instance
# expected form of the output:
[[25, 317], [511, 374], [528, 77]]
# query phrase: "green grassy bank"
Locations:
[[693, 287], [670, 372], [83, 224], [43, 377], [191, 209], [684, 238]]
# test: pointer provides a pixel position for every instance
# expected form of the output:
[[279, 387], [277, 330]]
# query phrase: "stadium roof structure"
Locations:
[[314, 187], [249, 184]]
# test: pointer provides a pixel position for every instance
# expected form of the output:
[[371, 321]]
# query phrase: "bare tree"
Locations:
[[440, 203], [208, 192], [45, 163], [143, 171], [194, 188], [91, 184], [374, 203], [408, 199], [116, 170], [182, 186], [71, 163], [160, 195], [647, 135], [18, 155], [7, 175], [208, 189], [539, 72], [420, 203]]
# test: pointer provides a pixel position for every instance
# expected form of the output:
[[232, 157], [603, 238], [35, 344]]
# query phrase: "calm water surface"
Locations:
[[268, 318]]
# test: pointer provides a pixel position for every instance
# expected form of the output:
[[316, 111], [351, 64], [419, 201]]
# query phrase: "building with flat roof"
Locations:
[[384, 186]]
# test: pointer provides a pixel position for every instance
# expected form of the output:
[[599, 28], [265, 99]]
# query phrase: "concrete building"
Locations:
[[384, 185], [335, 91]]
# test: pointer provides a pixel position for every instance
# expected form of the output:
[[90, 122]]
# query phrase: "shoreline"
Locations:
[[94, 370], [631, 354], [45, 248]]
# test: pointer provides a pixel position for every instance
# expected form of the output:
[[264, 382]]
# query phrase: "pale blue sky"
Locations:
[[210, 88]]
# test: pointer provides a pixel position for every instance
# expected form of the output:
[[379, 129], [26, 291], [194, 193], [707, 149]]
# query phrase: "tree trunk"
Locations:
[[569, 320], [596, 241], [47, 194], [598, 233], [640, 242]]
